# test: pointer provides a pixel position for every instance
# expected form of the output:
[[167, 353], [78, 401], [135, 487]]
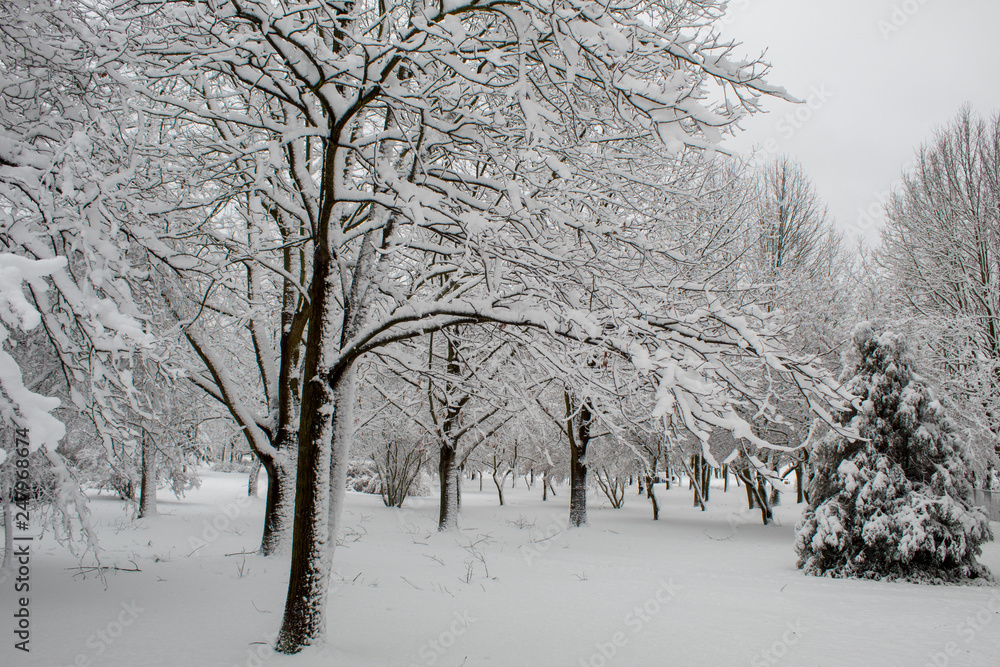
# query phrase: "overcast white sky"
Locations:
[[892, 71]]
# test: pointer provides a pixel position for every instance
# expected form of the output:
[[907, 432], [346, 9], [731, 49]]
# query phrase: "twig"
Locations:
[[719, 539], [81, 569]]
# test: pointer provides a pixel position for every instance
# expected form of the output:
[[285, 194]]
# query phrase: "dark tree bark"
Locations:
[[147, 492], [326, 416], [798, 482], [765, 506], [449, 469], [448, 476], [698, 481], [278, 506], [749, 487], [695, 482], [757, 495], [578, 460], [498, 482], [253, 478], [547, 487], [650, 493], [706, 477]]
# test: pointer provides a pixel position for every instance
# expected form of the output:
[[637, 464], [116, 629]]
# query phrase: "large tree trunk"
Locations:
[[448, 469], [325, 423], [578, 462], [448, 475], [147, 494], [343, 437], [318, 503], [278, 506]]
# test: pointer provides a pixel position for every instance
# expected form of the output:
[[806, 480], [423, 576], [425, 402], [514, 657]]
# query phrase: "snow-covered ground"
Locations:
[[512, 588]]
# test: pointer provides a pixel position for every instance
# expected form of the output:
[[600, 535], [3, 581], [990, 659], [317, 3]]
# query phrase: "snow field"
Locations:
[[513, 587]]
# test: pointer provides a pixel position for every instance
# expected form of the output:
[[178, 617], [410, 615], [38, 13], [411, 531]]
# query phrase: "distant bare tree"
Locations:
[[942, 234], [941, 254], [792, 222]]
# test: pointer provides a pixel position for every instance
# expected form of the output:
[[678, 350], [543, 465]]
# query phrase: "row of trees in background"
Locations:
[[480, 236], [470, 404], [937, 272]]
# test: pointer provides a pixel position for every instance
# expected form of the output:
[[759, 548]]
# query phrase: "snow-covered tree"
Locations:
[[942, 233], [456, 386], [941, 256], [895, 503], [65, 174], [796, 264], [447, 162]]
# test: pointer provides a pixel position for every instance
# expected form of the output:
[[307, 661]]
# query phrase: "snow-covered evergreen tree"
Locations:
[[895, 504]]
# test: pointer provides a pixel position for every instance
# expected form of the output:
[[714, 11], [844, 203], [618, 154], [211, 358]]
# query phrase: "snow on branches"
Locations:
[[459, 163], [18, 404]]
